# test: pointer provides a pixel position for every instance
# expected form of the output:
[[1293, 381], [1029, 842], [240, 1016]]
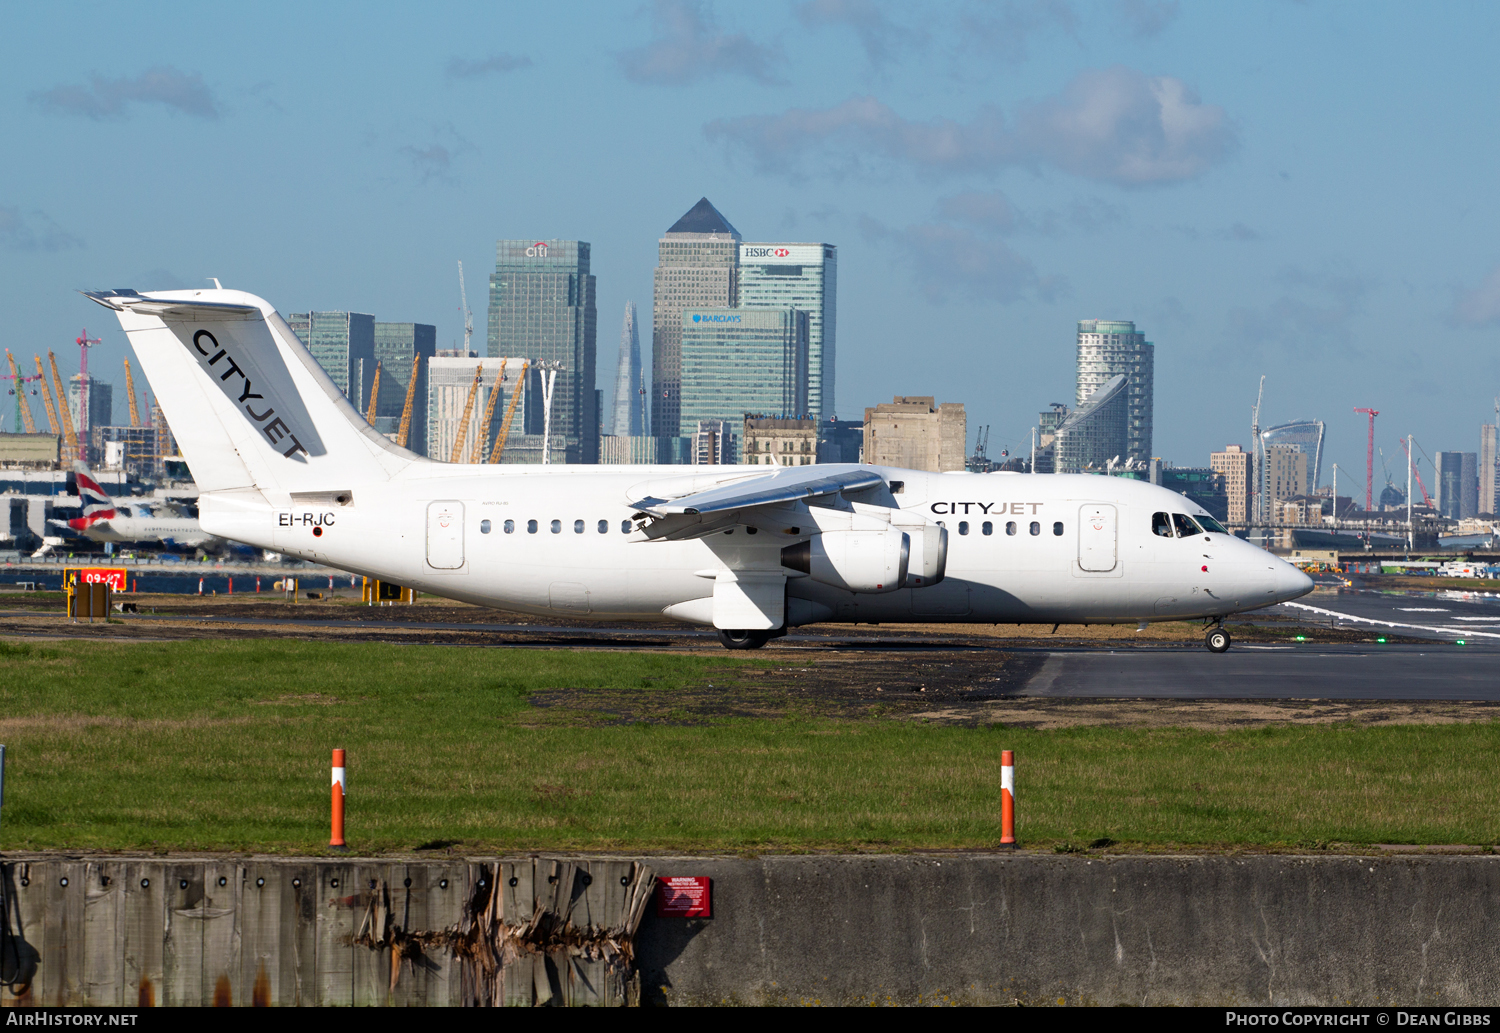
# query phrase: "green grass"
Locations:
[[225, 745]]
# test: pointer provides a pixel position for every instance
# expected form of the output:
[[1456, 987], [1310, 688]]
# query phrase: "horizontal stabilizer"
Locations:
[[134, 301]]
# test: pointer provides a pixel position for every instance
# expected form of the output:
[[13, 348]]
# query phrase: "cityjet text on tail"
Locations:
[[284, 463]]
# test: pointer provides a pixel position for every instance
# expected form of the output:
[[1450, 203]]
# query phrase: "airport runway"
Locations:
[[1439, 615]]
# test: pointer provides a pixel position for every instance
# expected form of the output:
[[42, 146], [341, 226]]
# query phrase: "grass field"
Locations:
[[225, 745]]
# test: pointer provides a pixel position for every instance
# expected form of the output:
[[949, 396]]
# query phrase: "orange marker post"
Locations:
[[1008, 799], [337, 841]]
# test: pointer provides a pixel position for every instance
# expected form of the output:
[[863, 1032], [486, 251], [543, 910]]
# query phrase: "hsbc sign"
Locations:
[[772, 254], [766, 252]]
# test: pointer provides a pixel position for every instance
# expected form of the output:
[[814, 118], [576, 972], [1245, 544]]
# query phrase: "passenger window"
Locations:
[[604, 527], [1010, 527], [578, 527], [1036, 527], [963, 527], [987, 527], [557, 527], [484, 527], [531, 527], [1057, 528], [624, 526], [510, 527], [1161, 524], [1185, 526]]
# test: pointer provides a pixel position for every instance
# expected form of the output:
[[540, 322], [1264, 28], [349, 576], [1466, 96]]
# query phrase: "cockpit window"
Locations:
[[1161, 524], [1210, 524], [1185, 526]]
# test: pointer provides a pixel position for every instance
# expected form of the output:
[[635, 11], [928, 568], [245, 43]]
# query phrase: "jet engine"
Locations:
[[929, 555], [857, 561]]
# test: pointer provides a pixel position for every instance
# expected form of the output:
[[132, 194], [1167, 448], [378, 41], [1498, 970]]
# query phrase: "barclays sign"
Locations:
[[715, 319]]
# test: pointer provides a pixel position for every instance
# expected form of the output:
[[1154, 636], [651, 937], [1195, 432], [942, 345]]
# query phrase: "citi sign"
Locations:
[[537, 250], [716, 319], [766, 252]]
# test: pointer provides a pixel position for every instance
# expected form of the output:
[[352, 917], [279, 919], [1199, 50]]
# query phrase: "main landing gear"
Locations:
[[736, 639], [1216, 639]]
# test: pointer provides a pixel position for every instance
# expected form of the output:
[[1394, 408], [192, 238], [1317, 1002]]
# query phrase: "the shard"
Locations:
[[630, 387]]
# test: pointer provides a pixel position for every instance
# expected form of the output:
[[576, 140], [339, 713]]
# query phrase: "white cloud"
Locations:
[[33, 232], [954, 262], [880, 37], [1313, 307], [1147, 18], [689, 47], [1114, 125], [1003, 30], [1480, 306], [111, 98]]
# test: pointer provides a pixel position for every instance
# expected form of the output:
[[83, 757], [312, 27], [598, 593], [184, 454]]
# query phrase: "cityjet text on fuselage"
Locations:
[[985, 508]]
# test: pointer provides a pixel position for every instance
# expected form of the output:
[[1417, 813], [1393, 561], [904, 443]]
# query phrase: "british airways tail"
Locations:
[[93, 500], [251, 409]]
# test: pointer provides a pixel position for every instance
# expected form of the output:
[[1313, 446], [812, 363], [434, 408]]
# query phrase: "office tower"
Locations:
[[800, 276], [1457, 485], [630, 389], [1307, 435], [450, 381], [542, 308], [738, 361], [1487, 460], [1239, 482], [343, 343], [1288, 472], [714, 443], [697, 266], [101, 401], [915, 433], [1094, 434], [1109, 348], [396, 344]]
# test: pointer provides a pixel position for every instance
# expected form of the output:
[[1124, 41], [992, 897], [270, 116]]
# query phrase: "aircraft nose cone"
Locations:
[[1291, 583]]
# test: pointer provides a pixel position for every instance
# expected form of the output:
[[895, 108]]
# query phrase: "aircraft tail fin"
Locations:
[[92, 499], [250, 407]]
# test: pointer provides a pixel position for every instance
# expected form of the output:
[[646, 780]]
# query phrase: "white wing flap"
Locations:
[[785, 484]]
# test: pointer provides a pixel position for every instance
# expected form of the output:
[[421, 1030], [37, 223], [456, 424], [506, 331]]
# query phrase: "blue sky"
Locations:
[[1299, 190]]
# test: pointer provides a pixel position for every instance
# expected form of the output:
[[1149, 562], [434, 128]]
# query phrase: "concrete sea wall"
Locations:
[[970, 928]]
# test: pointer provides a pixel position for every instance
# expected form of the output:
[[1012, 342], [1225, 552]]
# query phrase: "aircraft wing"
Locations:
[[700, 513]]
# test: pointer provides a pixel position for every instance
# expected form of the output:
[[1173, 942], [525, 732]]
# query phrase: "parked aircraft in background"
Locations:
[[283, 462], [103, 520]]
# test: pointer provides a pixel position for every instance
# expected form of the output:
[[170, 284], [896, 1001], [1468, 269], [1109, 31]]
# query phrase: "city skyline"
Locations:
[[975, 223]]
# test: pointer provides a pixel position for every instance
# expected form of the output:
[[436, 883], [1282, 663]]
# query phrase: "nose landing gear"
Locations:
[[1216, 639]]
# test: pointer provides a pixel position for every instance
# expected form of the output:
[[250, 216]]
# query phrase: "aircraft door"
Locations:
[[1097, 544], [445, 535]]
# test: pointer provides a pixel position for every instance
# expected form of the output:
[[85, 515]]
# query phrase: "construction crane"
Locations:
[[510, 414], [404, 430], [374, 397], [135, 414], [22, 409], [53, 426], [1255, 456], [1425, 497], [483, 436], [1369, 455], [62, 406], [463, 423], [84, 342], [468, 317]]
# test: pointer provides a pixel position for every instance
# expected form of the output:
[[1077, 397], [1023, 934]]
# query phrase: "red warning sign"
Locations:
[[684, 896]]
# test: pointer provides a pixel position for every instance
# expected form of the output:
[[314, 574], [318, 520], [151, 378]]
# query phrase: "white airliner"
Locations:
[[104, 521], [284, 462]]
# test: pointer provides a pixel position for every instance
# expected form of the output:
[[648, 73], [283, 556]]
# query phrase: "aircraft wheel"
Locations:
[[735, 639], [1217, 640]]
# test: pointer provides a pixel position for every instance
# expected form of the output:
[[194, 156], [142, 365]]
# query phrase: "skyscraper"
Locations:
[[697, 265], [1487, 460], [396, 345], [801, 276], [1096, 431], [738, 361], [1109, 348], [630, 390], [343, 343], [1458, 484], [542, 309]]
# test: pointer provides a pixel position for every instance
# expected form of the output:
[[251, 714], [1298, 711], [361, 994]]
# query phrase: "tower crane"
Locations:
[[510, 414], [483, 437], [468, 317], [62, 405], [1369, 455], [404, 431], [463, 422], [374, 397], [19, 390], [53, 425], [1425, 497], [135, 414], [1255, 456]]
